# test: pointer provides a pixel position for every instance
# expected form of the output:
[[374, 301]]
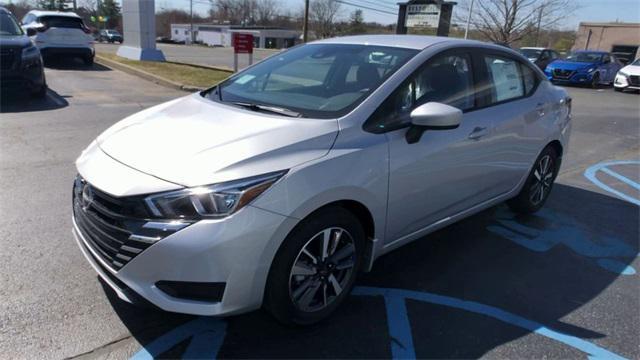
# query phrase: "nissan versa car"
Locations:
[[592, 68], [280, 184], [21, 67], [542, 57]]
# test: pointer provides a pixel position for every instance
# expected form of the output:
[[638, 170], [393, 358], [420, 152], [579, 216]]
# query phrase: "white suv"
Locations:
[[58, 33]]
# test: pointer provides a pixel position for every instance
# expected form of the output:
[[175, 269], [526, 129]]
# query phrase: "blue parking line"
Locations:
[[591, 173], [592, 350], [399, 328]]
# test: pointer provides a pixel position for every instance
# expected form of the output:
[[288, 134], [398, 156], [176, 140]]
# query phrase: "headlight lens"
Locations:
[[591, 70], [623, 74], [30, 52], [213, 201]]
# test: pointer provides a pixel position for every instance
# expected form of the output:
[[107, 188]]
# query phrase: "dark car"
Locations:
[[540, 56], [584, 67], [110, 36], [21, 66]]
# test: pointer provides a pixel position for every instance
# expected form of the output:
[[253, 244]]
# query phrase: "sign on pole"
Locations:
[[423, 15], [242, 44]]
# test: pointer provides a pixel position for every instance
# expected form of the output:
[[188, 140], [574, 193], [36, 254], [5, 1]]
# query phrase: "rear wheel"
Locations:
[[88, 60], [538, 186], [315, 268]]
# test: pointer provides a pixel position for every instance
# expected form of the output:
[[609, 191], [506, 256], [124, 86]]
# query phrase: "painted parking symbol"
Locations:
[[207, 334], [608, 251], [597, 173]]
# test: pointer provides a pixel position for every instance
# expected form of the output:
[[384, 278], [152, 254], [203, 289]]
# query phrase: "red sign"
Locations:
[[242, 43]]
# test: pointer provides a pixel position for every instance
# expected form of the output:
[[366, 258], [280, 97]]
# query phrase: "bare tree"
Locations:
[[234, 11], [266, 11], [323, 15], [507, 21]]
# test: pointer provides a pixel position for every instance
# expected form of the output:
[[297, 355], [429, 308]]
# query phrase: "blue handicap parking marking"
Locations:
[[605, 168], [207, 334], [560, 229]]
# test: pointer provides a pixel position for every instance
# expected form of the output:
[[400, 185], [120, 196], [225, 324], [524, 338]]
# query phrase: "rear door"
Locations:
[[517, 109], [64, 30]]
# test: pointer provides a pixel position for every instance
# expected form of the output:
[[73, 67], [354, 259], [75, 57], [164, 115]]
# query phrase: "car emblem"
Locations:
[[87, 197]]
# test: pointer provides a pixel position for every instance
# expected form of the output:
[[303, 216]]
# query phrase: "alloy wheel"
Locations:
[[322, 270], [543, 179]]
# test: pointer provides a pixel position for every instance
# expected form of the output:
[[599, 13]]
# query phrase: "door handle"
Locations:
[[478, 132]]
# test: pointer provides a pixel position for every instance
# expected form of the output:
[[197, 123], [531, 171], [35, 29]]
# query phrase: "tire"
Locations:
[[535, 191], [618, 89], [40, 93], [595, 82], [88, 60], [319, 285]]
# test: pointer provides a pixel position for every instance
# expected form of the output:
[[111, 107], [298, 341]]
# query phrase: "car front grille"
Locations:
[[8, 57], [562, 74], [116, 229], [634, 80]]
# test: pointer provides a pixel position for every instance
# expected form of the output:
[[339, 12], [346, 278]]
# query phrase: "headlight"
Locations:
[[30, 52], [213, 201], [620, 73], [591, 70]]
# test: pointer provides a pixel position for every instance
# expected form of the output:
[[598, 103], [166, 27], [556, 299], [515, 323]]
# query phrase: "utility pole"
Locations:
[[193, 39], [305, 23], [539, 23], [466, 30]]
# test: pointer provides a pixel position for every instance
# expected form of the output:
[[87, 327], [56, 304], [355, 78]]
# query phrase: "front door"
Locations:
[[442, 173]]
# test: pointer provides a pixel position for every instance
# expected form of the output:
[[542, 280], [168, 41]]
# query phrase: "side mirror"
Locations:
[[31, 32], [432, 116]]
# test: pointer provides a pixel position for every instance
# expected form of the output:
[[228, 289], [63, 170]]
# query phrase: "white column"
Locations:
[[139, 25]]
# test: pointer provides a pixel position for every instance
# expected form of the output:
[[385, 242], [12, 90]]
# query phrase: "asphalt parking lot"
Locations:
[[564, 283]]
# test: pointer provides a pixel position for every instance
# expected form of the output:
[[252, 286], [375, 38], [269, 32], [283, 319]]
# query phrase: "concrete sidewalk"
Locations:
[[201, 55]]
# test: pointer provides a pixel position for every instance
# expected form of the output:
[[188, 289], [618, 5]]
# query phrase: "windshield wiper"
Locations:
[[267, 108]]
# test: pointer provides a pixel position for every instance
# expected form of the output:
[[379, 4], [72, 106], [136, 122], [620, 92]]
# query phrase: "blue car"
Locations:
[[592, 68]]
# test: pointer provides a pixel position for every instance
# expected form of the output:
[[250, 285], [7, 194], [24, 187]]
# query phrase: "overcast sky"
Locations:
[[590, 10]]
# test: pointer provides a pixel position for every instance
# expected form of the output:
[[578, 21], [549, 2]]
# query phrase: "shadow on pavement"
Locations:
[[69, 63], [540, 267], [24, 102]]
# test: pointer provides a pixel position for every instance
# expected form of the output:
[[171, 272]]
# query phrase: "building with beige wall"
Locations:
[[623, 39]]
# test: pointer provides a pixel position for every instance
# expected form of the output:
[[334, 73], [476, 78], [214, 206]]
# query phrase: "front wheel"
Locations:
[[538, 186], [315, 268], [595, 82]]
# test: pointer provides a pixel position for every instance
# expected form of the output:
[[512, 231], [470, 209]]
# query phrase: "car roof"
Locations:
[[4, 10], [39, 13], [533, 48], [417, 42]]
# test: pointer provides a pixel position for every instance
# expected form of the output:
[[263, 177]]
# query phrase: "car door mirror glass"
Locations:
[[432, 116]]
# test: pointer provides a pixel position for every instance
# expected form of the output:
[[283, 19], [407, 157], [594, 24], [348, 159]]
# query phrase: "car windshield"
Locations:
[[531, 53], [318, 80], [585, 57], [9, 26], [113, 32]]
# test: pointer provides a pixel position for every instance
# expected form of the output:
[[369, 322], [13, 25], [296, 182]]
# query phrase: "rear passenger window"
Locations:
[[529, 78], [505, 78]]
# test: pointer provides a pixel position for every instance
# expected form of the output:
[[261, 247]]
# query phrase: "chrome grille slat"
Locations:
[[116, 238]]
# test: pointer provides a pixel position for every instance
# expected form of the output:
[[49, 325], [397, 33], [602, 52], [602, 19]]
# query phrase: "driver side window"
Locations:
[[445, 79]]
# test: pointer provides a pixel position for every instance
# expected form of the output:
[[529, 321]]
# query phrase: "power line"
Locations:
[[378, 4], [366, 7]]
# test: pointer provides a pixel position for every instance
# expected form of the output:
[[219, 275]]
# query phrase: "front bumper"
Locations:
[[236, 251], [27, 77], [627, 82], [84, 51]]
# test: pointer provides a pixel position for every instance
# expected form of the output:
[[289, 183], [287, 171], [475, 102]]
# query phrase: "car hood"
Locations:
[[571, 65], [631, 70], [193, 141], [15, 41]]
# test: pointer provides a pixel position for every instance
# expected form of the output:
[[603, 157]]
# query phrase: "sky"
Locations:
[[589, 10]]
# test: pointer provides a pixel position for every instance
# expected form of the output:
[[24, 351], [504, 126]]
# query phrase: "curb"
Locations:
[[148, 76]]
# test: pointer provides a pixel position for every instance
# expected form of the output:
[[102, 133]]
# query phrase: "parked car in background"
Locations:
[[280, 184], [628, 78], [21, 65], [60, 34], [540, 56], [592, 68], [110, 36]]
